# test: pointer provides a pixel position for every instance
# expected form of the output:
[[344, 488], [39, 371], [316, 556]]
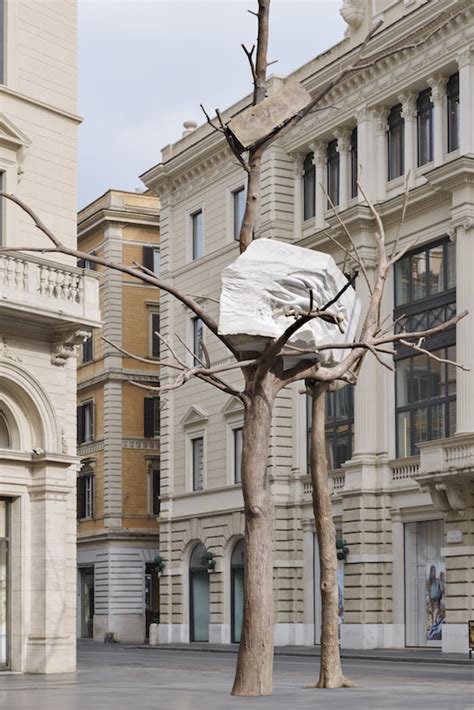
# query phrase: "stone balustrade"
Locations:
[[337, 481], [49, 291]]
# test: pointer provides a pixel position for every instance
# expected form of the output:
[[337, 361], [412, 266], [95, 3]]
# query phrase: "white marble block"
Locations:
[[269, 283]]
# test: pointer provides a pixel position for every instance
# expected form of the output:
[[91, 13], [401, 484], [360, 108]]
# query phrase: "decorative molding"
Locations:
[[65, 346], [380, 114], [466, 57], [194, 415], [352, 12], [319, 150], [343, 136], [438, 83], [6, 352], [408, 100], [141, 444]]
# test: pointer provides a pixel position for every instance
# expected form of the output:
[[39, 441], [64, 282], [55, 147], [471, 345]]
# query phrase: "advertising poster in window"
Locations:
[[435, 600]]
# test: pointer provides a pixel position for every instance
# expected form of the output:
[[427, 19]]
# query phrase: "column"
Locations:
[[438, 97], [380, 114], [366, 165], [408, 101], [466, 100], [343, 136], [464, 330], [319, 150], [298, 161]]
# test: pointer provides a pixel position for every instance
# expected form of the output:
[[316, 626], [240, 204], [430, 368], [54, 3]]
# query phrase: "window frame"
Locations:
[[87, 350], [424, 108], [237, 219], [86, 494], [333, 423], [332, 173], [453, 116], [197, 238], [237, 454], [193, 439], [197, 325], [87, 406], [354, 163], [395, 122], [309, 187], [150, 252], [154, 342], [151, 407], [154, 497]]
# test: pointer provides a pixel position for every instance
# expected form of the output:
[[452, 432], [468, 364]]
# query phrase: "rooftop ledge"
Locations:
[[48, 293]]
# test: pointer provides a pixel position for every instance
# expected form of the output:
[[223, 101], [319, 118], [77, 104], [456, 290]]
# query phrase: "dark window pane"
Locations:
[[309, 194], [437, 379], [87, 349], [453, 112], [198, 463], [438, 422], [419, 378], [237, 435], [238, 210], [403, 370], [198, 237], [436, 269], [354, 163], [395, 137], [155, 491], [451, 264], [425, 127], [155, 328], [333, 173], [198, 334], [420, 425], [418, 275], [402, 281]]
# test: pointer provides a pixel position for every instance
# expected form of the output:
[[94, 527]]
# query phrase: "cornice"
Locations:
[[114, 375], [453, 174], [118, 217], [48, 107]]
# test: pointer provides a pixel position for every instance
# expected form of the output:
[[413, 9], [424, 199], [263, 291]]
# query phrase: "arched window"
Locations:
[[309, 194], [424, 119], [199, 594], [332, 156], [237, 590], [396, 142], [5, 441]]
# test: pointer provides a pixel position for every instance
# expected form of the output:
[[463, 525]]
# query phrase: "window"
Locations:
[[151, 259], [425, 296], [309, 187], [155, 328], [85, 422], [198, 463], [151, 417], [87, 349], [155, 489], [354, 163], [198, 335], [86, 264], [424, 119], [238, 209], [5, 442], [339, 426], [198, 235], [333, 173], [1, 201], [85, 493], [453, 112], [237, 451], [396, 142]]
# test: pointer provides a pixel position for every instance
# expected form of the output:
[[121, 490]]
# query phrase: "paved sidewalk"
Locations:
[[398, 655]]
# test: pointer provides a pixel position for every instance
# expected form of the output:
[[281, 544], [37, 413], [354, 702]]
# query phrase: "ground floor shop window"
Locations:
[[199, 594], [87, 602], [425, 583]]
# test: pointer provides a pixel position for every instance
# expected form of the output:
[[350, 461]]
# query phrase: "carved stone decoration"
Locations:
[[447, 496], [64, 446], [352, 12], [270, 284], [65, 347], [6, 352]]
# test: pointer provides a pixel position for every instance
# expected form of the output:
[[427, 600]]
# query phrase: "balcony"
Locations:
[[48, 294]]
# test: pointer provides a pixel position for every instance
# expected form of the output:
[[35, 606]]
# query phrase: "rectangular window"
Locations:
[[198, 335], [237, 451], [85, 422], [354, 163], [155, 490], [87, 349], [453, 112], [425, 296], [151, 417], [333, 173], [197, 234], [198, 463], [309, 187], [339, 427], [424, 122], [238, 208], [87, 264], [85, 496], [155, 328], [396, 142], [151, 259]]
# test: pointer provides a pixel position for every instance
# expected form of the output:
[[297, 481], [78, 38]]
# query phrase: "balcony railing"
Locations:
[[337, 481], [47, 290]]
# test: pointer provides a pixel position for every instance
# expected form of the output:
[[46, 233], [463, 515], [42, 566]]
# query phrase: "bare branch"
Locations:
[[249, 55], [403, 215], [430, 354], [203, 298], [394, 337], [188, 350], [148, 361], [210, 122]]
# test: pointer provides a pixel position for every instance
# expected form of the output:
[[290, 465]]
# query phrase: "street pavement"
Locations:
[[115, 677]]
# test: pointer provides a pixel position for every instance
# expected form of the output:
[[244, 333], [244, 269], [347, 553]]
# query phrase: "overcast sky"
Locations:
[[146, 65]]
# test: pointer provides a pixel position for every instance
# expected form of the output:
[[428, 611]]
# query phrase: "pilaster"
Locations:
[[438, 84], [343, 136], [466, 99], [298, 161], [319, 151], [380, 114], [408, 101]]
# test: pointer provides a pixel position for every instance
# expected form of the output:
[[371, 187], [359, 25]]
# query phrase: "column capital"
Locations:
[[466, 56], [380, 113], [343, 137], [298, 163], [363, 114], [319, 151], [408, 101], [438, 83]]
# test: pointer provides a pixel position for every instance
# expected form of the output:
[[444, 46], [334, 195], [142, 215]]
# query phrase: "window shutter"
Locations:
[[80, 497], [149, 411], [155, 324], [156, 491], [148, 258], [80, 424]]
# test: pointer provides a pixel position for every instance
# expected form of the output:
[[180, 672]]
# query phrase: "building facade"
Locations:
[[47, 306], [118, 484], [401, 443]]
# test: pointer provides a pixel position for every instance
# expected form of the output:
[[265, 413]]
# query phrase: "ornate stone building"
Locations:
[[401, 443], [47, 306], [118, 483]]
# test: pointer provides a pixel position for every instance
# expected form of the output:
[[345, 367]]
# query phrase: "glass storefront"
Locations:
[[425, 583]]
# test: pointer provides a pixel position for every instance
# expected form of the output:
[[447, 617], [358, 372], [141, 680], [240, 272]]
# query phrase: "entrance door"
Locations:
[[87, 602], [4, 584], [199, 595], [152, 596], [237, 591], [425, 583]]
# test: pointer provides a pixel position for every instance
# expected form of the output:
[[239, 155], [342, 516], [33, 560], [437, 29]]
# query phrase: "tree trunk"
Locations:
[[253, 674], [330, 672]]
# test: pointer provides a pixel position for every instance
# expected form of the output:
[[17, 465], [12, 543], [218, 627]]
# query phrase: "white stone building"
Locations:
[[401, 444], [46, 307]]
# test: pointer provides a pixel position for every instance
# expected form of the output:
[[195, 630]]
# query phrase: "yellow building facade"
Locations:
[[118, 486]]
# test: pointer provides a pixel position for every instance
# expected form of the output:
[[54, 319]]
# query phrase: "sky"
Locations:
[[145, 66]]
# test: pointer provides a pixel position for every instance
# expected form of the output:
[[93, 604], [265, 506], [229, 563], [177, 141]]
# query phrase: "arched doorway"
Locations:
[[199, 595], [237, 591]]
